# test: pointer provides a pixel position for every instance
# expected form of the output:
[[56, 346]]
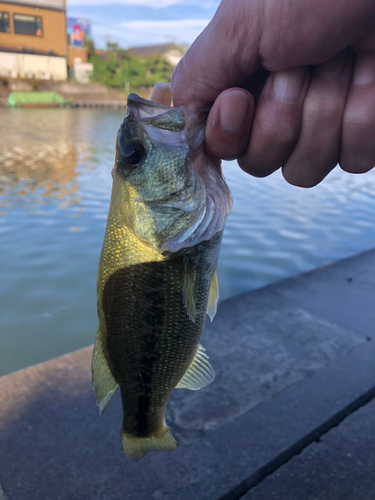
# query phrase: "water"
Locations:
[[54, 195]]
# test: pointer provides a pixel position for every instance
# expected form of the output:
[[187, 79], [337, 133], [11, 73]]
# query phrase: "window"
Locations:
[[4, 22], [27, 25]]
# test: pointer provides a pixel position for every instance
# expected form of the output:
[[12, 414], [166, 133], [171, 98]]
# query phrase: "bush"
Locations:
[[121, 70]]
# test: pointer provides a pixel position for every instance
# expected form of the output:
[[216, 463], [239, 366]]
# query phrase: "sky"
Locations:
[[132, 23]]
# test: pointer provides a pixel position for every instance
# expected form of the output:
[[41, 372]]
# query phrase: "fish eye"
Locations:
[[134, 152]]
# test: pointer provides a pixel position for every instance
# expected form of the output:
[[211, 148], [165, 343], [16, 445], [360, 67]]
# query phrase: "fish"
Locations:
[[157, 275]]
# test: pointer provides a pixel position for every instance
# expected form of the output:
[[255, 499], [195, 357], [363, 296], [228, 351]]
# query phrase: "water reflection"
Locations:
[[55, 186], [48, 170], [39, 155]]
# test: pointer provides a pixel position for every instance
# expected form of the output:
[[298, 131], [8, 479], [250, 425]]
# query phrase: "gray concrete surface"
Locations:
[[341, 466], [2, 494], [292, 360]]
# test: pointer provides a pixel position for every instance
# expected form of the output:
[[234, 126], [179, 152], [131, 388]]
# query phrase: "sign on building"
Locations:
[[79, 29]]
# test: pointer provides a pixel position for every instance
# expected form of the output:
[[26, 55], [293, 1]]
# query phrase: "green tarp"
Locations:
[[36, 98]]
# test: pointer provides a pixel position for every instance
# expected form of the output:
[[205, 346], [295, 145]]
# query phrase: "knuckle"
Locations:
[[324, 111], [282, 133], [355, 124], [359, 118], [284, 137]]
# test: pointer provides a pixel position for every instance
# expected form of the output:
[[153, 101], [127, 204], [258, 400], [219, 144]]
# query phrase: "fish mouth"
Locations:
[[156, 114], [137, 102]]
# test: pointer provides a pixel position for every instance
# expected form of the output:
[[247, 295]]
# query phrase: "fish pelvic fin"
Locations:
[[199, 374], [213, 296], [188, 284], [102, 378], [137, 448]]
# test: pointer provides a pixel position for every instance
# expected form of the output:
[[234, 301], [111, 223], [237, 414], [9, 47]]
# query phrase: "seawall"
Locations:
[[290, 414]]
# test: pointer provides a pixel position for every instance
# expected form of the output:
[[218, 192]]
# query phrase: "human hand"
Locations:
[[313, 64]]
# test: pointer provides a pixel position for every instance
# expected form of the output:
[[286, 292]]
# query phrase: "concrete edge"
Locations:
[[248, 449], [301, 277], [54, 359], [3, 495], [314, 436]]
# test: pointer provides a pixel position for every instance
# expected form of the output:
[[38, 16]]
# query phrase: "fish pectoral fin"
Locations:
[[188, 290], [199, 374], [102, 378], [213, 296]]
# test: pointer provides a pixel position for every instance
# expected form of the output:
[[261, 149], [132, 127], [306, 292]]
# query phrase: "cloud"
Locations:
[[179, 31], [153, 4], [134, 33], [146, 25], [144, 22]]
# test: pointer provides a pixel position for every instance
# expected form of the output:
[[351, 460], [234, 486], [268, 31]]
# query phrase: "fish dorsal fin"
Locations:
[[213, 296], [102, 378], [199, 374], [188, 290]]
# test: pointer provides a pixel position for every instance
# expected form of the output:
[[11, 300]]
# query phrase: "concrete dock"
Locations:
[[290, 415]]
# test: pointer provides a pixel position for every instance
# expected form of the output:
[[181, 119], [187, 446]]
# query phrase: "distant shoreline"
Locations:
[[81, 95]]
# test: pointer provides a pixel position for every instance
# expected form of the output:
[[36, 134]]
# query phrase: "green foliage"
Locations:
[[90, 46], [119, 69]]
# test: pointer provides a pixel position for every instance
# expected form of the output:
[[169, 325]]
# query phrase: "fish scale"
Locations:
[[141, 333], [154, 289]]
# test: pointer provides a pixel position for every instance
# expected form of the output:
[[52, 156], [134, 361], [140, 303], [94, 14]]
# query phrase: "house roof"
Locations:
[[147, 50]]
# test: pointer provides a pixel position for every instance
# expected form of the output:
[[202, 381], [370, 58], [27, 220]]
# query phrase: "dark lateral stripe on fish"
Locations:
[[148, 303], [155, 318]]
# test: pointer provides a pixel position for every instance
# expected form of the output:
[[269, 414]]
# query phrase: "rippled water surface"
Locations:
[[55, 186]]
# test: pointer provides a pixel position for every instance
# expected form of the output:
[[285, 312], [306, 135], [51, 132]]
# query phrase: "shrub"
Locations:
[[121, 70]]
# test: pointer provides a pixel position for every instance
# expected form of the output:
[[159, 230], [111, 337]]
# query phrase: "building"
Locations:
[[79, 29], [34, 41], [171, 52]]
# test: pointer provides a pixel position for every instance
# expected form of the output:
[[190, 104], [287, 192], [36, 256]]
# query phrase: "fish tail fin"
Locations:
[[137, 448]]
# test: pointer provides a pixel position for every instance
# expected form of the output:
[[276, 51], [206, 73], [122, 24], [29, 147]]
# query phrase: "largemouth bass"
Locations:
[[157, 274]]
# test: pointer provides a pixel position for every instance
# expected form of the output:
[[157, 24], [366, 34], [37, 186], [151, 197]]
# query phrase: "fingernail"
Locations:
[[364, 71], [334, 67], [233, 111], [288, 83]]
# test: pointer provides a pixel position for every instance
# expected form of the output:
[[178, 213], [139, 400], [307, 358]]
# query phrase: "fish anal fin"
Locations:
[[188, 291], [199, 374], [102, 378], [213, 296], [137, 448]]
